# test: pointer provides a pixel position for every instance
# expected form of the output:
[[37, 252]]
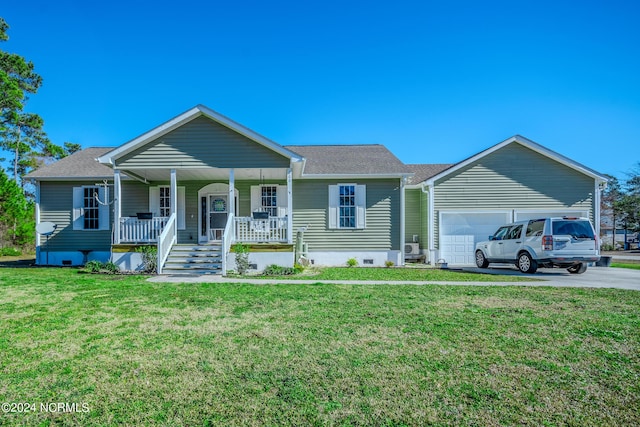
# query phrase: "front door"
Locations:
[[216, 215]]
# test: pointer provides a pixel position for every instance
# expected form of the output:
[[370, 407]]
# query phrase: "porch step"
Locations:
[[194, 259]]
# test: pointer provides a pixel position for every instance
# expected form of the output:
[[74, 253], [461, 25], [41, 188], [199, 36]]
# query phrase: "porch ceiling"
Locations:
[[204, 174]]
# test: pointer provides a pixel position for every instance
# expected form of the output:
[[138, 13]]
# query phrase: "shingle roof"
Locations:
[[422, 172], [372, 159], [81, 164]]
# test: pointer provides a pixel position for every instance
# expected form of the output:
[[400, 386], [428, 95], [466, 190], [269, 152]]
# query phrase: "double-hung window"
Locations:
[[90, 208], [347, 206], [270, 198], [165, 201]]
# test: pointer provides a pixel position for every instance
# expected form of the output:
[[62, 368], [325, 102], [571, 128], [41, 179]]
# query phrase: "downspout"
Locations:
[[431, 222], [599, 186], [403, 181]]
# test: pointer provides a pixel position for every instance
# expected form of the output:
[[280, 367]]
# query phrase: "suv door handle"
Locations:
[[519, 241], [499, 243]]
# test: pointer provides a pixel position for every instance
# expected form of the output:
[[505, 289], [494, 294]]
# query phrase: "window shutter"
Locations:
[[154, 200], [256, 198], [333, 206], [103, 209], [77, 208], [282, 200], [361, 205], [180, 210]]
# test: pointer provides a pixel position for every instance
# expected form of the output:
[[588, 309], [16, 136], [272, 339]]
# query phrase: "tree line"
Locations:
[[620, 204], [26, 145]]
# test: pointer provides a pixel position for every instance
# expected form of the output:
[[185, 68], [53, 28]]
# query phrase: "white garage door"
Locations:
[[459, 233]]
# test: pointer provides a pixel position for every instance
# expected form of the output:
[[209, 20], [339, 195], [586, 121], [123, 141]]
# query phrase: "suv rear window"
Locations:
[[535, 227], [576, 229]]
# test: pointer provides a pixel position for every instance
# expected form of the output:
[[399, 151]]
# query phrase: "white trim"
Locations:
[[117, 207], [289, 206], [186, 117], [354, 176], [596, 208], [432, 224], [526, 143], [231, 196], [550, 212]]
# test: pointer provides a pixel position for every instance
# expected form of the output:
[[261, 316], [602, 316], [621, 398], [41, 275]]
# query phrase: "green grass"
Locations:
[[626, 265], [141, 353], [402, 274]]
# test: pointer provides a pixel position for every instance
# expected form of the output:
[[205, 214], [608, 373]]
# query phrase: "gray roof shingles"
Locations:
[[81, 164], [371, 159], [422, 172]]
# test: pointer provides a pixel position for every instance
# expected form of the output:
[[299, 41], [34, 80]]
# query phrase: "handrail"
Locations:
[[166, 239], [227, 237]]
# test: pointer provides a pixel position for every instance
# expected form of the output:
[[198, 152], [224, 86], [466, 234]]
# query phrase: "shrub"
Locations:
[[352, 262], [110, 267], [10, 252], [389, 264], [276, 270], [242, 257], [606, 247], [298, 268], [93, 266], [149, 258]]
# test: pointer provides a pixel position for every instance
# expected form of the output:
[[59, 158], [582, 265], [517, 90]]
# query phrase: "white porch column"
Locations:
[[173, 193], [117, 207], [232, 199], [289, 206]]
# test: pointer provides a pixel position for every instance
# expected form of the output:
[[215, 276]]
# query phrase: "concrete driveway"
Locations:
[[594, 277]]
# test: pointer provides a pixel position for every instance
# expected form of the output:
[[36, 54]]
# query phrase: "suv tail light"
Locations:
[[547, 243]]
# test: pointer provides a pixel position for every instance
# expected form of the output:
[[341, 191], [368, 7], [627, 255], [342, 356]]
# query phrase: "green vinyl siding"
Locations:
[[382, 231], [203, 143], [512, 178], [416, 216], [56, 205], [135, 198]]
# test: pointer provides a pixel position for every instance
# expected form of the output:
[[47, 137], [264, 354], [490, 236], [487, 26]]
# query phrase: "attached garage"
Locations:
[[460, 231], [514, 180]]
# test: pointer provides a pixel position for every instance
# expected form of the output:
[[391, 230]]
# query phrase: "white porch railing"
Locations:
[[166, 240], [134, 230], [227, 239], [272, 229]]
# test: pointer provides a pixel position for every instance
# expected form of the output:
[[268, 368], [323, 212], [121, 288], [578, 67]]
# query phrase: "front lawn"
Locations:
[[138, 353], [399, 274]]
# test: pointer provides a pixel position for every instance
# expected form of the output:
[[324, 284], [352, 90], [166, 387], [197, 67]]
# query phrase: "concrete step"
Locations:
[[194, 259]]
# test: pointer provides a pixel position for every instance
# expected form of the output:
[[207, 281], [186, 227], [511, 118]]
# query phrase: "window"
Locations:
[[90, 207], [347, 206], [160, 203], [165, 202], [514, 233], [535, 227], [88, 213], [269, 199]]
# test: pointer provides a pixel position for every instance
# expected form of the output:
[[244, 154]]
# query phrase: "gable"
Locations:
[[514, 175], [199, 143]]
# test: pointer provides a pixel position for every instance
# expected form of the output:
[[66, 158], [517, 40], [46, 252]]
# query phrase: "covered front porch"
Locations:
[[202, 207]]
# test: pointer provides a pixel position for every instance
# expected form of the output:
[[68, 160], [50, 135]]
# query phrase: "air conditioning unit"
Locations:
[[412, 248]]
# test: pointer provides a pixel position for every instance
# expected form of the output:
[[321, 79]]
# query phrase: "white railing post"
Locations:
[[289, 224], [228, 236], [166, 240]]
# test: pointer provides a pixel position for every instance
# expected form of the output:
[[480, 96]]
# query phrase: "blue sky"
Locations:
[[435, 82]]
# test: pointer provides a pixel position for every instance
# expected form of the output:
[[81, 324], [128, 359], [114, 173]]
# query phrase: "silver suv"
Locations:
[[565, 242]]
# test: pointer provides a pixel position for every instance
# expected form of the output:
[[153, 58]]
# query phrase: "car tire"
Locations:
[[481, 261], [526, 264], [578, 268]]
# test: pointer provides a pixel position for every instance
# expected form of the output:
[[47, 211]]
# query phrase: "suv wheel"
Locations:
[[526, 264], [578, 268], [481, 261]]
